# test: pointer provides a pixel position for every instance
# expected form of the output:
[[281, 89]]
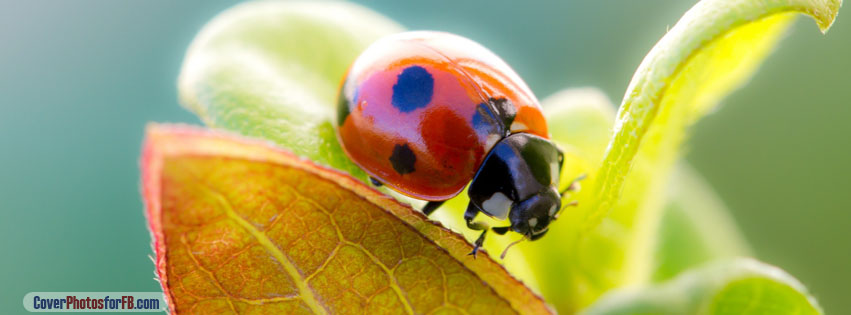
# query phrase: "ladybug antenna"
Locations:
[[569, 204], [505, 251], [574, 185]]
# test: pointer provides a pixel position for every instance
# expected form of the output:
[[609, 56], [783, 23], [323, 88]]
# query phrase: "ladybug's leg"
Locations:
[[375, 182], [573, 187], [469, 215], [501, 230], [431, 206]]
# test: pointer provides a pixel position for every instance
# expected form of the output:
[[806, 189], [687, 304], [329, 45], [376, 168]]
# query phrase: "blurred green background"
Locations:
[[79, 80]]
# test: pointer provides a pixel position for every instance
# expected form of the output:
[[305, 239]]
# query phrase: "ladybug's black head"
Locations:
[[518, 180], [532, 217]]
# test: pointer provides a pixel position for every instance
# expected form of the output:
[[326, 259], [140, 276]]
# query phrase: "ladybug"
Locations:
[[425, 113]]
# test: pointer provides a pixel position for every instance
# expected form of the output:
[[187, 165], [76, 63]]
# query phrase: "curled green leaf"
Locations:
[[713, 49]]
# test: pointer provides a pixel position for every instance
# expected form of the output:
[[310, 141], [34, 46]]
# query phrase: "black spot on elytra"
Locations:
[[403, 159], [413, 89]]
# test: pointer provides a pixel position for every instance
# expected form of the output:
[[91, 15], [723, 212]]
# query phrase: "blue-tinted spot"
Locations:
[[413, 89], [484, 121], [355, 99], [478, 120]]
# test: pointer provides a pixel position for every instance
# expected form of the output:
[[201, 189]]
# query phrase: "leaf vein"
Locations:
[[305, 292]]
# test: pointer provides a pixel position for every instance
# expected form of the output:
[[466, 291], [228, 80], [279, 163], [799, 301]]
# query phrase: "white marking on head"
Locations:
[[533, 222], [497, 205], [554, 173], [553, 210], [518, 126], [491, 141]]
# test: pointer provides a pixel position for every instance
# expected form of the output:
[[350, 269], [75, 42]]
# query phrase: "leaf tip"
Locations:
[[826, 14]]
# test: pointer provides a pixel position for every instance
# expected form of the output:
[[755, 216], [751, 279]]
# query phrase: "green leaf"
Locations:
[[742, 286], [272, 69], [712, 50], [580, 121], [608, 240], [695, 227]]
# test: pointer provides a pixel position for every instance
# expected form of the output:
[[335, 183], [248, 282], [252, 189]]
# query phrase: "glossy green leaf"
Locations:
[[742, 286], [271, 70]]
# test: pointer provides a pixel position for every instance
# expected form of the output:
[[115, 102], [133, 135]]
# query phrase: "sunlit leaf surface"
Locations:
[[241, 226]]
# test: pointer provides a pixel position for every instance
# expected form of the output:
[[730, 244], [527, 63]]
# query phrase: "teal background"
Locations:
[[79, 80]]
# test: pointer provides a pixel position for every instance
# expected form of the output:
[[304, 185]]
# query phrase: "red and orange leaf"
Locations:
[[240, 226]]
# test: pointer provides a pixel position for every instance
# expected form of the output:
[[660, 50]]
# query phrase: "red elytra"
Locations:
[[409, 111]]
